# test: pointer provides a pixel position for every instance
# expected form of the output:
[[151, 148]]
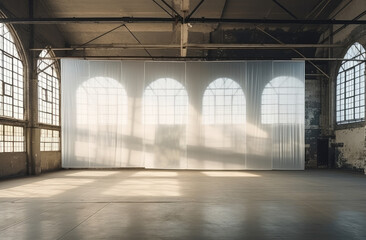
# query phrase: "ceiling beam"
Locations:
[[192, 46], [120, 20], [330, 59], [175, 58], [184, 7]]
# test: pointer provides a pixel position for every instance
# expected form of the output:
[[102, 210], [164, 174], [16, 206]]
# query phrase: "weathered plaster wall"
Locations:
[[50, 161], [13, 164], [312, 121], [352, 152]]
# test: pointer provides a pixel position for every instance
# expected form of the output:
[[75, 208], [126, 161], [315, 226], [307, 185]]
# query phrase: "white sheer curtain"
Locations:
[[96, 118], [183, 115], [219, 116], [165, 106]]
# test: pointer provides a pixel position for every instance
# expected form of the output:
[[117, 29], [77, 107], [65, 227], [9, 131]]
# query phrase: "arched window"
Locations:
[[11, 77], [283, 101], [165, 102], [101, 101], [350, 92], [48, 90], [11, 92], [223, 103]]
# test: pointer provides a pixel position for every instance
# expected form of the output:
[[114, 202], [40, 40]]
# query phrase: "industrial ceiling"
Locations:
[[189, 29]]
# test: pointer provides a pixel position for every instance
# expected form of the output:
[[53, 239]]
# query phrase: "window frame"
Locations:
[[160, 116], [55, 115], [19, 80], [279, 95], [6, 140], [343, 95], [114, 89], [45, 140], [240, 114], [16, 62]]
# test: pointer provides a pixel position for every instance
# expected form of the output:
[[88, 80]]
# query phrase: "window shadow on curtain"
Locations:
[[165, 112], [183, 115]]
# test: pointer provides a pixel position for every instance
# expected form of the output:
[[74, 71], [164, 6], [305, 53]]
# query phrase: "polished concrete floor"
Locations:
[[140, 204]]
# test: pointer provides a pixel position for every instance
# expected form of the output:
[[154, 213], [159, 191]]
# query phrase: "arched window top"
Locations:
[[167, 84], [223, 103], [350, 91], [283, 101], [48, 89], [165, 102], [105, 83], [284, 82], [356, 51], [46, 64], [223, 83], [11, 80], [101, 100], [7, 42]]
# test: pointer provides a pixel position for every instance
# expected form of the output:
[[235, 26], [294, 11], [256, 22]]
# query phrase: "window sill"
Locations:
[[350, 125]]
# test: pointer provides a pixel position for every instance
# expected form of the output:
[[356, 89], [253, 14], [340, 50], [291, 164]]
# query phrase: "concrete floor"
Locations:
[[139, 204]]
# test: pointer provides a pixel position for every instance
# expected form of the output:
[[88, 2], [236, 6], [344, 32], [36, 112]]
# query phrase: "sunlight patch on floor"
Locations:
[[43, 189], [92, 173], [155, 174], [229, 174]]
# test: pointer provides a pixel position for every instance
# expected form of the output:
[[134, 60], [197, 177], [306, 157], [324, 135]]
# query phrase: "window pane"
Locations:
[[11, 139], [165, 102], [283, 101], [48, 90], [223, 103], [11, 80], [50, 140], [350, 88]]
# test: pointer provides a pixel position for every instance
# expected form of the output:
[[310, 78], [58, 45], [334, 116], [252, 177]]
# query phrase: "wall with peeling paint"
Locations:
[[352, 152], [13, 164], [312, 121], [50, 161]]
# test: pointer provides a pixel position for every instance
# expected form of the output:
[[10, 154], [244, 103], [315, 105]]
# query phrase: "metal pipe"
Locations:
[[163, 8], [171, 8], [295, 50], [314, 9], [340, 10], [102, 35], [134, 36], [285, 9], [192, 46], [173, 58], [194, 10], [330, 59], [171, 20], [277, 21], [344, 26]]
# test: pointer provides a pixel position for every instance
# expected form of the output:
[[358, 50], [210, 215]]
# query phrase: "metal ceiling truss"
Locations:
[[285, 9], [295, 50], [186, 20]]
